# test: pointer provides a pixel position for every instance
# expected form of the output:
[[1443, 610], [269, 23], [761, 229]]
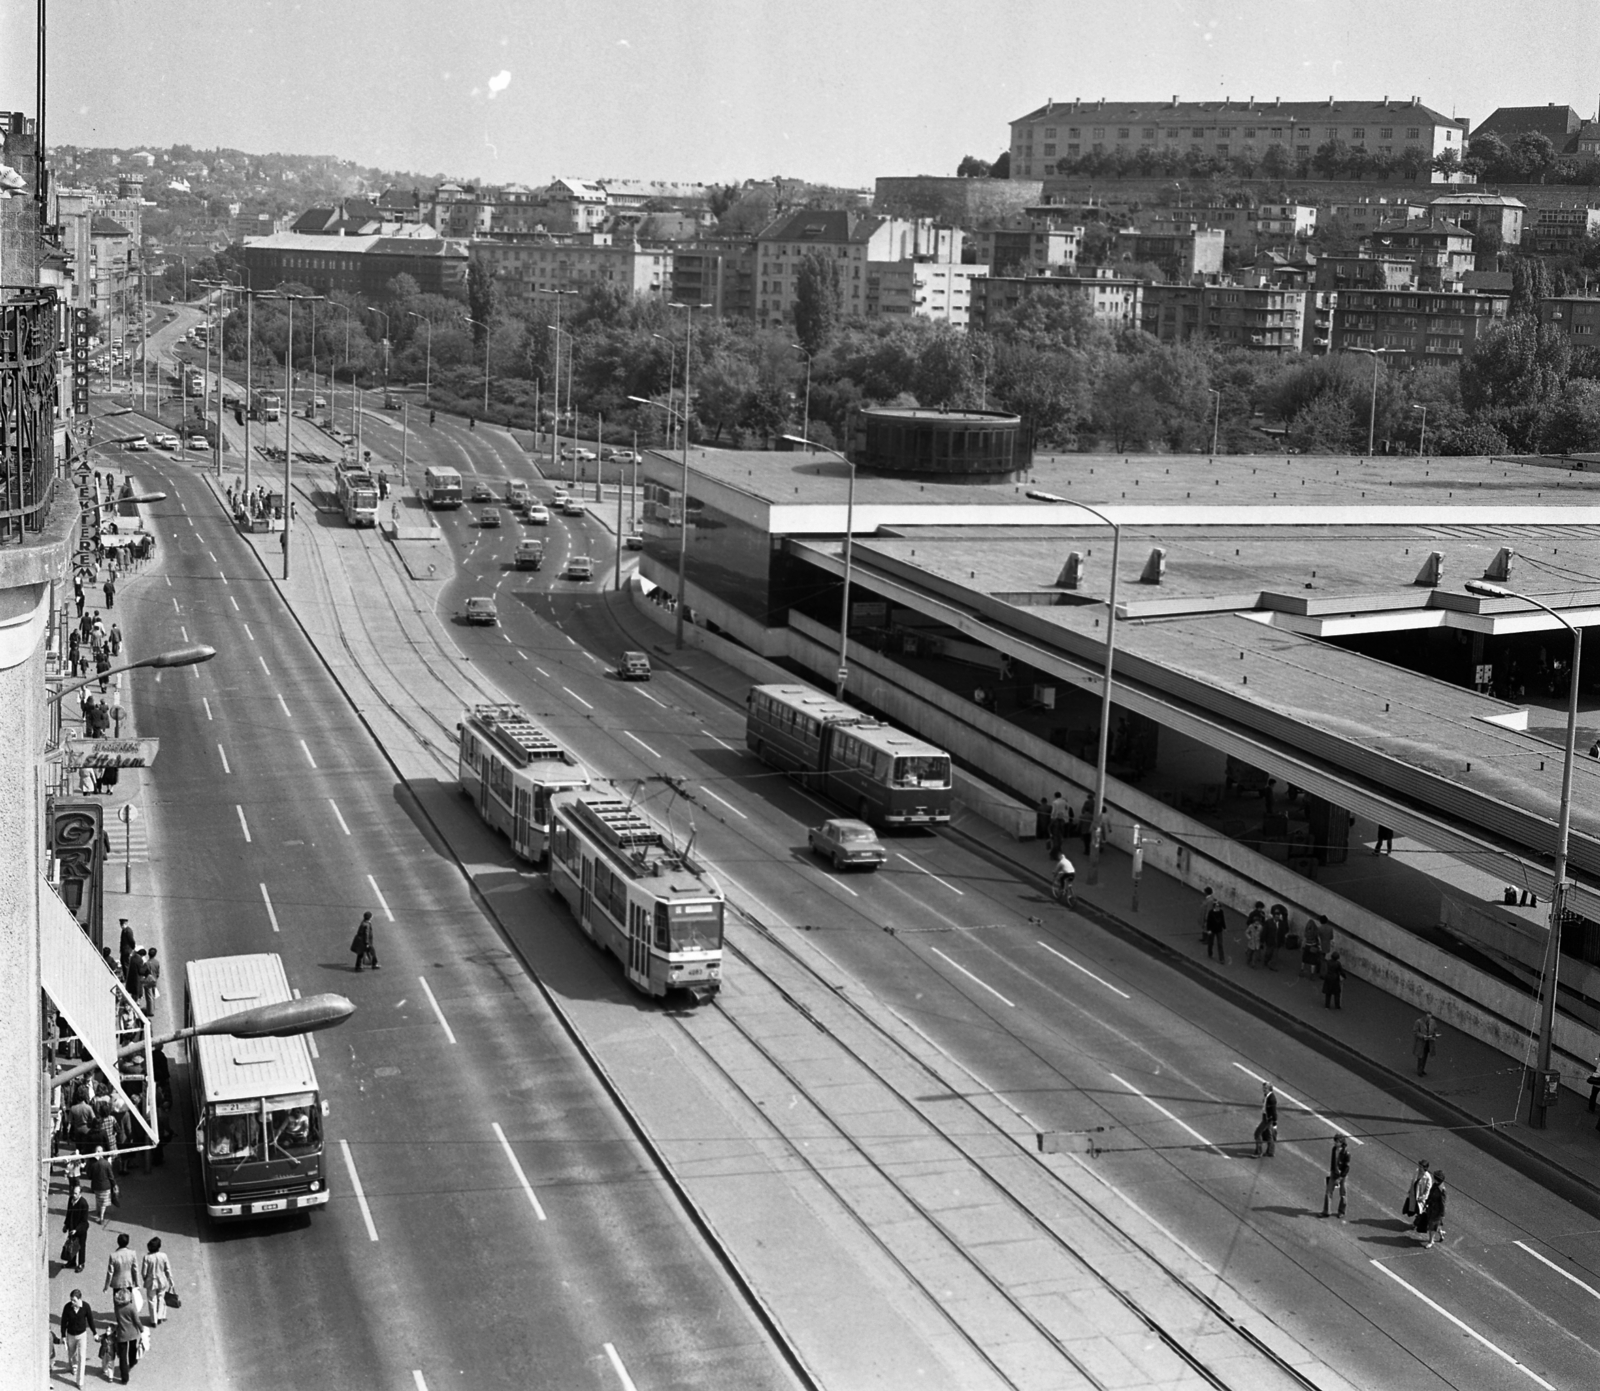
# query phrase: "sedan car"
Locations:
[[482, 610], [633, 666], [165, 441], [847, 842], [482, 492], [573, 507], [537, 514], [490, 516], [138, 443]]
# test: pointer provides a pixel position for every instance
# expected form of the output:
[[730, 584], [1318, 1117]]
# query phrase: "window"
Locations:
[[1122, 133], [1099, 132], [1386, 132], [1073, 150], [1148, 133], [1358, 132], [1226, 132], [1413, 133], [1049, 151], [1198, 132], [1049, 132], [1073, 132]]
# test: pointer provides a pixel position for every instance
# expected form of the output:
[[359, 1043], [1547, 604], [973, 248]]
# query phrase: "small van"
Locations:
[[529, 555], [518, 493]]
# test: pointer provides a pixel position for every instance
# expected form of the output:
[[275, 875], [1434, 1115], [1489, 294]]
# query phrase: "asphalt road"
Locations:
[[1084, 1031], [507, 1230]]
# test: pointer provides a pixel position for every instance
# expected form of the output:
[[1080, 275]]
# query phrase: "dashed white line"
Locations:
[[207, 704], [1168, 1114], [168, 579], [264, 666], [914, 865], [309, 758], [516, 1168], [223, 577], [175, 607], [438, 1013], [184, 631], [646, 694], [285, 704], [1300, 1105], [417, 1381], [234, 602], [541, 671], [248, 633], [213, 556], [730, 806], [505, 637], [1464, 1327], [311, 1039], [968, 974], [711, 736], [619, 1369], [641, 743], [1565, 1275], [581, 701], [222, 753], [383, 903], [272, 917], [1108, 985], [355, 1187], [243, 824], [339, 815]]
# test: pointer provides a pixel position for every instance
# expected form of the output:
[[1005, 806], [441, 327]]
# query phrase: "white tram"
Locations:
[[511, 768], [636, 894]]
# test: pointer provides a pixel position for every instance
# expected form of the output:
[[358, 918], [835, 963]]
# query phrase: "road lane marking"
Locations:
[[248, 633], [516, 1168], [1149, 1100], [213, 556], [1587, 1289], [223, 577], [541, 671], [207, 704], [310, 1038], [222, 753], [730, 806], [417, 1381], [646, 694], [711, 736], [523, 655], [168, 579], [438, 1013], [505, 637], [914, 865], [175, 607], [1337, 1129], [653, 754], [1464, 1327], [383, 903], [338, 815], [264, 666], [184, 631], [309, 758], [355, 1187], [272, 917], [285, 704], [243, 824], [234, 602], [581, 701], [619, 1369], [1108, 985], [968, 974]]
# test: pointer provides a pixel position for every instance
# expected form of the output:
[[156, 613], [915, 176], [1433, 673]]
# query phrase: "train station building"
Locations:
[[1298, 665]]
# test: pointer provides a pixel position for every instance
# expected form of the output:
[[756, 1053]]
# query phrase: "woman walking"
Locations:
[[362, 944], [1333, 983], [155, 1271], [1430, 1221], [1416, 1202]]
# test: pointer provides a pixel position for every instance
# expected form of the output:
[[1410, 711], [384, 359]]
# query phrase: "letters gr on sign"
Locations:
[[113, 753]]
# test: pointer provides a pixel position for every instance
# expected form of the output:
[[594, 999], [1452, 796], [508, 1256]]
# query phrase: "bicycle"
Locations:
[[1061, 890]]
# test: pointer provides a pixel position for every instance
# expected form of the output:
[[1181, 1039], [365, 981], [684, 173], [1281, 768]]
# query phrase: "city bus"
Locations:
[[257, 1108], [510, 768], [441, 486], [885, 776], [358, 495], [633, 891]]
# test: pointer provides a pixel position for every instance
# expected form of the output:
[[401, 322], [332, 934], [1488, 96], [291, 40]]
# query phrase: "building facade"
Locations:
[[1116, 300], [1181, 256], [1562, 231], [1032, 245], [1474, 212], [1431, 327], [719, 271], [356, 265], [1440, 250], [1575, 316], [532, 271], [1262, 319]]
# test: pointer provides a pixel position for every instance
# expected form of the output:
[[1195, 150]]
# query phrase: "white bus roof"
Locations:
[[241, 1069], [441, 471]]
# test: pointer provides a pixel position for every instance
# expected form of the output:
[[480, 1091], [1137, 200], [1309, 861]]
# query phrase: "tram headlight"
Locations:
[[222, 1197]]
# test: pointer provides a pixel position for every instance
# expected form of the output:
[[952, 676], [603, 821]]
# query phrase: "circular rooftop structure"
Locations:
[[956, 446]]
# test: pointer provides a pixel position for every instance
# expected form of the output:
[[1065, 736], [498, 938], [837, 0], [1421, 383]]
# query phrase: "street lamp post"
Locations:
[[1098, 827], [1216, 417], [1422, 439], [176, 657], [347, 312], [1372, 410], [555, 388], [385, 319], [683, 534], [488, 332], [842, 675], [427, 371], [683, 505], [1551, 969], [288, 417], [672, 385], [805, 424]]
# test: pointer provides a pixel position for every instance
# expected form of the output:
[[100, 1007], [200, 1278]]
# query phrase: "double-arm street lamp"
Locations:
[[1098, 826], [842, 675], [1372, 409], [177, 657], [1422, 440], [1551, 970], [288, 414], [488, 333], [427, 370]]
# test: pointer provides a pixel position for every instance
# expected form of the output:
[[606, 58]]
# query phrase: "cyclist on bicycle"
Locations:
[[1061, 880]]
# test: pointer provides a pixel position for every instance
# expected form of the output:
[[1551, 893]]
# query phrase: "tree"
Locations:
[[1534, 154], [1573, 423], [721, 388], [971, 167], [402, 288], [1001, 168], [1489, 156], [1530, 283], [1275, 163], [1332, 159], [1411, 162], [482, 298], [1486, 244], [1448, 163], [1513, 374], [818, 301]]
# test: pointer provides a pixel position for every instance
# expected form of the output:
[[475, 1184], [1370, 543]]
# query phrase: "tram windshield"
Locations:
[[688, 926]]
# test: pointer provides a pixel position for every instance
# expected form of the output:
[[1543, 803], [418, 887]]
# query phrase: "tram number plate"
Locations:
[[275, 1205]]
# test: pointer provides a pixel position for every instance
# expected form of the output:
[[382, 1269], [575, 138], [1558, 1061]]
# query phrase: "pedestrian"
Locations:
[[127, 1306], [102, 667], [362, 943], [1385, 838], [1338, 1174], [155, 1271], [76, 1227], [1253, 926], [1273, 933], [110, 587], [122, 1268], [1425, 1039], [163, 1077], [1430, 1221], [1324, 938], [116, 639], [152, 982], [133, 975], [1058, 823], [101, 1182], [1333, 983], [1417, 1192], [1310, 954], [1041, 819], [1213, 923], [125, 945], [472, 422], [77, 1323], [1267, 1127], [77, 596], [1086, 822], [1594, 1081]]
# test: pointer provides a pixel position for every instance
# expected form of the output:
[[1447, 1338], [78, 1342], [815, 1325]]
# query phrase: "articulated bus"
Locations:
[[441, 486], [510, 767], [636, 894], [883, 775], [358, 495], [258, 1112]]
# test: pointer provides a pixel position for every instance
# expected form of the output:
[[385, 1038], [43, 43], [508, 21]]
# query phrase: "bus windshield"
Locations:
[[929, 770], [280, 1126]]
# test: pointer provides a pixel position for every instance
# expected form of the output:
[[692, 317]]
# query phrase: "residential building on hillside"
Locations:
[[361, 265], [1028, 245], [956, 201], [1361, 215], [100, 259], [1263, 319], [719, 271], [1285, 222], [1576, 316], [1562, 230], [1440, 250], [533, 270], [1068, 130], [1560, 124], [1181, 256], [937, 287], [1474, 211], [1365, 272], [1429, 326], [1116, 300]]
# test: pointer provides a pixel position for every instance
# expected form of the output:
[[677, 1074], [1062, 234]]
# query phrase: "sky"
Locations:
[[835, 91]]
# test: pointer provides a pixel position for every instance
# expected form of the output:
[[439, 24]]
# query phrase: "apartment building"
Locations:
[[1113, 299], [1576, 316], [925, 289], [1362, 215], [1279, 222], [359, 265], [1364, 273], [1429, 326], [1474, 212], [1030, 245], [1224, 129], [1263, 319], [719, 271], [533, 270], [1181, 256], [1563, 230], [1440, 250]]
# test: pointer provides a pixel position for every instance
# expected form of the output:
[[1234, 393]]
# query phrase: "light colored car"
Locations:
[[529, 555], [847, 842], [588, 455], [482, 610], [624, 456], [537, 514], [580, 567], [165, 441], [633, 666], [633, 542], [139, 444], [573, 507]]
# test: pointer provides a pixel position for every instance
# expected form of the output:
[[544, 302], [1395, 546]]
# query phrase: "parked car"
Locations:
[[165, 441], [138, 443], [490, 516], [537, 514], [623, 456], [580, 567], [483, 611], [844, 841], [585, 454], [482, 492], [633, 666]]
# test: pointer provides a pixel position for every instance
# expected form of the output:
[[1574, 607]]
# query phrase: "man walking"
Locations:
[[122, 1268], [125, 945], [1267, 1126], [152, 981], [1338, 1173], [1425, 1038], [111, 592], [1333, 983], [77, 1323], [1213, 923], [1058, 824], [362, 944], [77, 1227]]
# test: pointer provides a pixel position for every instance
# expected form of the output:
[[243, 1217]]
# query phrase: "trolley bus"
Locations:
[[358, 495], [884, 775], [635, 893], [510, 767], [441, 486], [258, 1112]]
